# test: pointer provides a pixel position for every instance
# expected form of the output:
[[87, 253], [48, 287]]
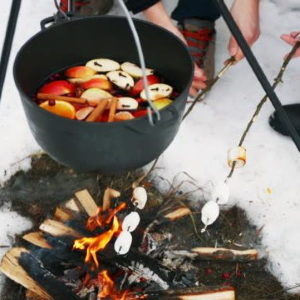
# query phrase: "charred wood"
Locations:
[[35, 269]]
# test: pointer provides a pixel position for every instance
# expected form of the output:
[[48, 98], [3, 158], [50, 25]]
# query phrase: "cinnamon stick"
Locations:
[[43, 96], [98, 111], [112, 109]]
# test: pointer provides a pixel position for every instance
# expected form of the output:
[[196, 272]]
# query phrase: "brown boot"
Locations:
[[200, 36]]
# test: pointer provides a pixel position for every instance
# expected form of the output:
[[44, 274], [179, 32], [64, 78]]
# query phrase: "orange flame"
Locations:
[[102, 219], [94, 244], [107, 287]]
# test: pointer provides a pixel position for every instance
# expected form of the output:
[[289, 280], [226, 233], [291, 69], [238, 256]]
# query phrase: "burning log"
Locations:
[[197, 293], [35, 269], [11, 268]]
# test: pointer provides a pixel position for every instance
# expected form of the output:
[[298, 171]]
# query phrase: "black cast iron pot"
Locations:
[[103, 147]]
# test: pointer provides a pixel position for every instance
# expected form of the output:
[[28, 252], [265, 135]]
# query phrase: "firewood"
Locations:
[[56, 228], [87, 202], [35, 269], [177, 213], [11, 268], [196, 293], [72, 205], [109, 194], [208, 253], [37, 239], [63, 214]]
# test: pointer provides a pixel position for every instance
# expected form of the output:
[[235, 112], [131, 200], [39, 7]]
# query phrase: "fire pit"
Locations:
[[201, 262]]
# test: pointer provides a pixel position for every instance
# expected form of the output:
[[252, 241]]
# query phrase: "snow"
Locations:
[[267, 188]]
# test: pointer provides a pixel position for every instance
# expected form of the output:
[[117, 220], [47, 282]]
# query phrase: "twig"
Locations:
[[198, 98], [277, 80]]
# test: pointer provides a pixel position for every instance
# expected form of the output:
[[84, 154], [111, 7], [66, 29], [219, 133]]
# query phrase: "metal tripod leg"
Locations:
[[10, 31]]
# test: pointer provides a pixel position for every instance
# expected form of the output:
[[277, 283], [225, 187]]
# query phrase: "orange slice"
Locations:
[[60, 108]]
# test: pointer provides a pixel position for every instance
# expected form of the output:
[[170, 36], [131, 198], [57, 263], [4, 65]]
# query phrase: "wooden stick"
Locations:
[[112, 109], [209, 253], [11, 268], [98, 111], [197, 293], [43, 96]]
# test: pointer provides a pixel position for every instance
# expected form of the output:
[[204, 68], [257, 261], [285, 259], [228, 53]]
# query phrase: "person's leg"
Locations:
[[201, 9], [196, 21]]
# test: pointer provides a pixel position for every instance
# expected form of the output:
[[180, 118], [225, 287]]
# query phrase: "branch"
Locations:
[[277, 80], [198, 98]]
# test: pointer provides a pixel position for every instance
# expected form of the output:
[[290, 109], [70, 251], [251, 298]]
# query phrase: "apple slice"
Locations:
[[123, 116], [157, 91], [135, 70], [84, 79], [139, 85], [103, 65], [162, 102], [58, 87], [121, 79], [80, 72], [127, 103], [94, 95], [82, 113], [100, 83]]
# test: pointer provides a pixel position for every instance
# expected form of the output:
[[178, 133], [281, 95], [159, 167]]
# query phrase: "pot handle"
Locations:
[[159, 124]]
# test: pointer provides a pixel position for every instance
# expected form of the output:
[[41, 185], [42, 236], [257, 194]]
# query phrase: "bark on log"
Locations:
[[11, 268]]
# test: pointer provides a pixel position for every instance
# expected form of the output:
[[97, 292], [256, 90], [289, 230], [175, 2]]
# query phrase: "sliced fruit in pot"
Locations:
[[157, 91], [94, 95], [134, 70], [80, 72], [103, 65], [123, 116], [127, 103], [58, 87], [162, 102], [87, 78], [60, 108], [121, 79], [139, 85], [82, 113], [140, 113], [97, 82]]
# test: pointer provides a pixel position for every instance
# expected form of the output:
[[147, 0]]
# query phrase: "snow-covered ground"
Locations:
[[267, 188]]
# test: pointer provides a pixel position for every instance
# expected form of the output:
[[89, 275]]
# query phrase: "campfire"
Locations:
[[118, 249]]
